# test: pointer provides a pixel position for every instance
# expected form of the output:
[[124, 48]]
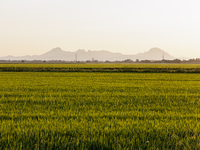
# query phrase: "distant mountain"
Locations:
[[101, 55], [155, 54]]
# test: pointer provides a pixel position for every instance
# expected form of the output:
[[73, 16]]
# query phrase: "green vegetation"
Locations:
[[142, 68], [93, 110], [102, 65]]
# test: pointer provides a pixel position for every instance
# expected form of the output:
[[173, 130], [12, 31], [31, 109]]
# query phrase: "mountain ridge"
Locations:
[[100, 55]]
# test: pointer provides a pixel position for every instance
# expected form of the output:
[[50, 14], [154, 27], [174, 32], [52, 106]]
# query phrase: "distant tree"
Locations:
[[145, 61], [128, 61], [137, 60], [197, 59], [107, 61], [176, 61]]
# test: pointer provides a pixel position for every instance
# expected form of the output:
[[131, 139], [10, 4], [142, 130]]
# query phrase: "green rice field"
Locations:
[[100, 65], [99, 110], [134, 68]]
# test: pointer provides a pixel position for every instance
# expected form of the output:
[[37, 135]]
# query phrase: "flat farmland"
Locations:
[[103, 65], [134, 68], [99, 110]]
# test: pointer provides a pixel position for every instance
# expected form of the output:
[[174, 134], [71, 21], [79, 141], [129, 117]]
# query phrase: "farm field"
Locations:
[[141, 68], [94, 110], [103, 65]]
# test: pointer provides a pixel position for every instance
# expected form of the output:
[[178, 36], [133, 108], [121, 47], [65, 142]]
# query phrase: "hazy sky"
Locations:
[[29, 27]]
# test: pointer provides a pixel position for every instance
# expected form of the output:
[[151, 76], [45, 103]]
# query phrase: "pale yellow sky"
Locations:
[[128, 26]]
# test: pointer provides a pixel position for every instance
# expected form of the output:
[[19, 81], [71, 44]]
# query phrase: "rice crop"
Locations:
[[134, 68], [102, 65], [94, 110]]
